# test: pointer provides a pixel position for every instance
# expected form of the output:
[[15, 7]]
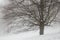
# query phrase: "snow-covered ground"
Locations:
[[50, 33]]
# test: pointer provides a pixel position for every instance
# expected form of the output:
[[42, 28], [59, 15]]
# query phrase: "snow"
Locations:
[[50, 33]]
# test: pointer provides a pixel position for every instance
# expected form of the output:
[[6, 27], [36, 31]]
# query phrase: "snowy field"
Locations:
[[50, 33]]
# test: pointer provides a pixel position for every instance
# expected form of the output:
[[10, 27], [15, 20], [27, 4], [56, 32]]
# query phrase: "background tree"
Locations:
[[40, 12]]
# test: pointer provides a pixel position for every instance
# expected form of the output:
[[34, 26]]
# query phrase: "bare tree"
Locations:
[[40, 12]]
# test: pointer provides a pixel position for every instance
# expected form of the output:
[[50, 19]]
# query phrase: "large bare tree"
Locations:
[[40, 12]]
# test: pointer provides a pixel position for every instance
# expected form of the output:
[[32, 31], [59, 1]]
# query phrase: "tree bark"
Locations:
[[41, 17], [41, 28]]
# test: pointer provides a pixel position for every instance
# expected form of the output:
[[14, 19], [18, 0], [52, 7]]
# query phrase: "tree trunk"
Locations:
[[41, 28], [41, 17]]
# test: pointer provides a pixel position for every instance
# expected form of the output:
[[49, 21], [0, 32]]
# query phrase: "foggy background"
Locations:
[[2, 22]]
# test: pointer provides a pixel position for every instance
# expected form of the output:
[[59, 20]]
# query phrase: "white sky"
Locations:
[[3, 2]]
